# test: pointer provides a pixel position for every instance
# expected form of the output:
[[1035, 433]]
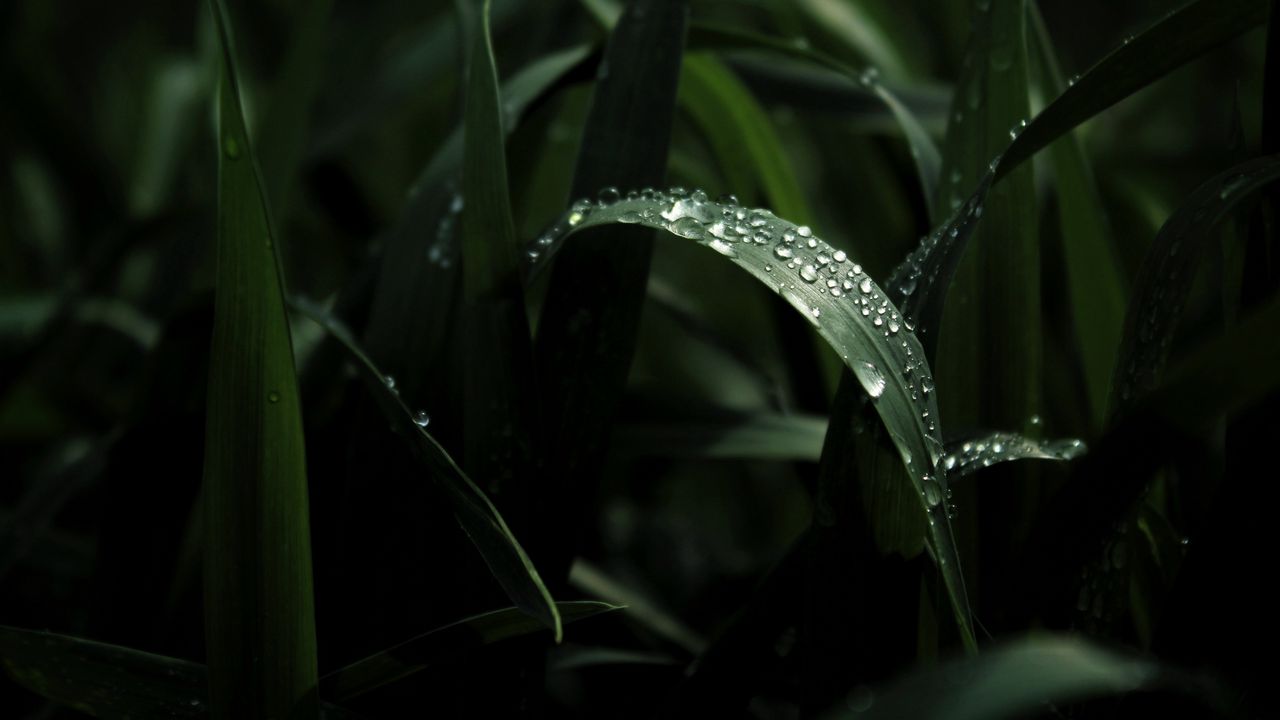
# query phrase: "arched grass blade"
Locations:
[[923, 151], [1018, 679], [478, 517], [1165, 277], [1179, 38], [845, 306], [968, 455], [259, 608], [444, 647]]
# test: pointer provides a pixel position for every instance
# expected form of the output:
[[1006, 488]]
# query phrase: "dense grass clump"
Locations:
[[395, 360]]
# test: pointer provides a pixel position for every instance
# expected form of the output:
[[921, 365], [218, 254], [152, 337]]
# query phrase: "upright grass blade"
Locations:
[[587, 333], [445, 646], [923, 151], [845, 306], [498, 388], [994, 324], [259, 609], [741, 134], [478, 517], [1093, 270], [922, 281], [1018, 679]]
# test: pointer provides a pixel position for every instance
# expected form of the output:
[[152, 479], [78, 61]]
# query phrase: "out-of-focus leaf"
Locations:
[[1017, 679], [757, 437]]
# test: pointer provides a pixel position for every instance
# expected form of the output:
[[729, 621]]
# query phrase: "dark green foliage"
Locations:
[[355, 360]]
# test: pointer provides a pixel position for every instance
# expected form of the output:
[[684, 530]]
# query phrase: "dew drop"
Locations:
[[421, 419], [870, 377], [865, 286], [808, 274], [783, 251]]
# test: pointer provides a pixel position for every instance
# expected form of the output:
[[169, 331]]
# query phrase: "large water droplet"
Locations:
[[808, 273], [688, 227], [870, 377], [421, 418], [783, 251]]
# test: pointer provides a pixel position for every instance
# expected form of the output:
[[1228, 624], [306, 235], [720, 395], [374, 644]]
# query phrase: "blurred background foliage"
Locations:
[[107, 200]]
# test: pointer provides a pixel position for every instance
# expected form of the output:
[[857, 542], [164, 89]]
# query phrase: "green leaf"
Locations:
[[1165, 277], [259, 608], [590, 317], [413, 303], [923, 279], [1015, 680], [105, 681], [743, 137], [478, 517], [845, 306], [967, 455], [923, 151], [756, 437], [445, 647], [498, 400], [1097, 291]]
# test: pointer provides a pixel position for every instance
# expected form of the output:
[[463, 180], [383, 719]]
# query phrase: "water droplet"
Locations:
[[839, 256], [688, 227], [870, 377], [932, 491], [575, 218], [865, 286], [608, 196], [390, 382], [723, 248], [421, 419], [783, 251], [808, 273], [804, 231]]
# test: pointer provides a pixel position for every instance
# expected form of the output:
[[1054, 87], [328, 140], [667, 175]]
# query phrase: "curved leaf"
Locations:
[[965, 456], [845, 306]]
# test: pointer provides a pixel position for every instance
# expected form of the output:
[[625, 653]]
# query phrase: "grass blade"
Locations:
[[1165, 277], [923, 151], [757, 437], [478, 517], [444, 647], [587, 332], [923, 279], [1093, 270], [740, 131], [259, 609], [498, 383], [968, 455], [845, 306], [105, 681]]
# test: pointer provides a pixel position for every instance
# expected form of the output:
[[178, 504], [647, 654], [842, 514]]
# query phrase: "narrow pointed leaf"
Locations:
[[1165, 277], [444, 647], [920, 284], [478, 517], [965, 456], [923, 150], [259, 609], [1093, 270]]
